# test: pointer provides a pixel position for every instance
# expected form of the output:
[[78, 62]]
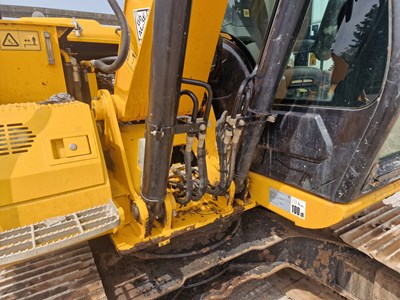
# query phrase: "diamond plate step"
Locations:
[[56, 233], [375, 231]]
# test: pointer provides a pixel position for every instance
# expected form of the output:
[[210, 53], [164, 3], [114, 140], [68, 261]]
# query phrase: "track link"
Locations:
[[70, 273], [263, 245], [375, 231]]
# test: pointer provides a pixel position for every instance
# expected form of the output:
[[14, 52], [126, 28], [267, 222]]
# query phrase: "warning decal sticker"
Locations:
[[131, 59], [140, 16], [19, 40], [9, 41], [289, 203]]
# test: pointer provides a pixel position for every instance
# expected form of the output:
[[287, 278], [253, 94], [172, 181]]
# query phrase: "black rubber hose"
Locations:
[[240, 94], [203, 178], [108, 59], [207, 87], [189, 181], [125, 40], [195, 101], [246, 103], [222, 153], [232, 165], [223, 170]]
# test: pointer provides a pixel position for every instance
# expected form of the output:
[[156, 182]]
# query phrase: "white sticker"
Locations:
[[298, 207], [141, 146], [140, 16], [288, 203]]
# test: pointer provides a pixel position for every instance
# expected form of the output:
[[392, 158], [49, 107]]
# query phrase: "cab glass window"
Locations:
[[339, 57], [391, 147], [247, 20]]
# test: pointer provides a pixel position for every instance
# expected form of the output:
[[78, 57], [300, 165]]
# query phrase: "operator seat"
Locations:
[[301, 80]]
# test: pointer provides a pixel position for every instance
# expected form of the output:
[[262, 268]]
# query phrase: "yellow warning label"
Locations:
[[313, 59], [19, 40], [131, 58]]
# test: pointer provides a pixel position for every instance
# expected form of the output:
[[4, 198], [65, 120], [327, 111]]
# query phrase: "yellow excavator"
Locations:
[[207, 139]]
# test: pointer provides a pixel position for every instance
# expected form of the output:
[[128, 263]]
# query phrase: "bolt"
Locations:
[[241, 122], [73, 147], [203, 127]]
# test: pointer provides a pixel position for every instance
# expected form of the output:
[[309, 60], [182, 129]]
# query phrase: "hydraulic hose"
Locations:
[[222, 153], [187, 154], [195, 101], [201, 160], [234, 149], [240, 94], [108, 59], [125, 40], [208, 88]]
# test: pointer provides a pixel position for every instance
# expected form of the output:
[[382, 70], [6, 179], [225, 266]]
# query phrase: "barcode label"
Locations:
[[288, 203], [298, 207]]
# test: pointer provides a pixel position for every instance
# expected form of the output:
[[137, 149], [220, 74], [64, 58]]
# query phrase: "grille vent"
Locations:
[[15, 138]]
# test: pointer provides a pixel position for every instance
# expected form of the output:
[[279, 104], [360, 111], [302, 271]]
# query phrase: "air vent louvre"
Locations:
[[15, 138]]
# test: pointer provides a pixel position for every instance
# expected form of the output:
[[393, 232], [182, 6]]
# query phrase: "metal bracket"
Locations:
[[255, 117], [159, 132], [49, 48], [190, 127]]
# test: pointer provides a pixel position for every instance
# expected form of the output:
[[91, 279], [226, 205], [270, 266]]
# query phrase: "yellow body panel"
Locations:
[[30, 77], [51, 162], [132, 80], [92, 31], [27, 74], [194, 215], [320, 213]]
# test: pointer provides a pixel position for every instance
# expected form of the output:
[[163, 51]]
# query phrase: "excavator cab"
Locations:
[[335, 76], [331, 90]]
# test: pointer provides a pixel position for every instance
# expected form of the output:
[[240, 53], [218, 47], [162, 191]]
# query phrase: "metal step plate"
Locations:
[[69, 273], [56, 233], [375, 231]]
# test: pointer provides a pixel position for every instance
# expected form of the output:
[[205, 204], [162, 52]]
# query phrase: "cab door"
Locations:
[[337, 100]]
